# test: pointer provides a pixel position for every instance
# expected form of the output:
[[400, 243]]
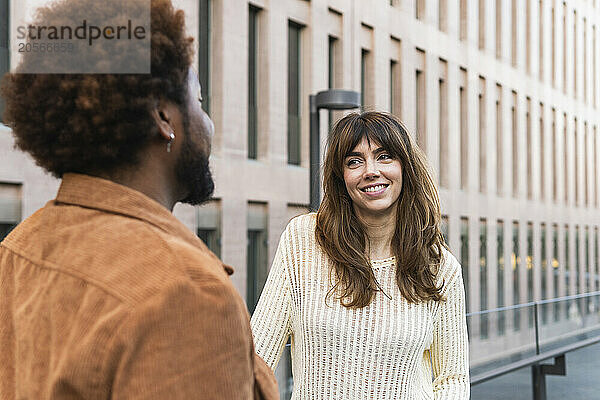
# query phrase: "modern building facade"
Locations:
[[502, 95]]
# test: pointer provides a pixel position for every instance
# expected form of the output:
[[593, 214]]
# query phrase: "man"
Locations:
[[104, 294]]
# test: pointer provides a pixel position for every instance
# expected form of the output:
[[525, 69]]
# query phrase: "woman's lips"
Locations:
[[375, 190]]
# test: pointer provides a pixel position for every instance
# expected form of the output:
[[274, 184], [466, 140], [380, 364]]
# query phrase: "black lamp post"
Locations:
[[333, 99]]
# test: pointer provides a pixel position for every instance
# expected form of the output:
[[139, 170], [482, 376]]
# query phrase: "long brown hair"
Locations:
[[417, 242]]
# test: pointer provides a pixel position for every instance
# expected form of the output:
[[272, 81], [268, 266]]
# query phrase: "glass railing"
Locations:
[[501, 336]]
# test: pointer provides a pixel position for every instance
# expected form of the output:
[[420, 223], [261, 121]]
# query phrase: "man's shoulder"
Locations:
[[161, 261], [126, 257]]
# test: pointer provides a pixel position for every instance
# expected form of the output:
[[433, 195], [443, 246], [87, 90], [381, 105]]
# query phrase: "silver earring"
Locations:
[[170, 142]]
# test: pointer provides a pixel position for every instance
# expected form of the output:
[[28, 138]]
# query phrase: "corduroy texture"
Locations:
[[106, 295], [390, 349]]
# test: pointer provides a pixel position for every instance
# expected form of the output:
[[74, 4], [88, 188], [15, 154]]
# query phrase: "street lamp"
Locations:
[[333, 99]]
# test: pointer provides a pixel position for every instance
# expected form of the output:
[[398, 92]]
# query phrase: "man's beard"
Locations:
[[193, 171]]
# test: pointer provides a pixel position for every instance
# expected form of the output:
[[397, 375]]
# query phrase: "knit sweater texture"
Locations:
[[390, 349]]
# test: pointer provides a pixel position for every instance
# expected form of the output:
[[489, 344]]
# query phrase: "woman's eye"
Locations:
[[385, 156], [352, 162]]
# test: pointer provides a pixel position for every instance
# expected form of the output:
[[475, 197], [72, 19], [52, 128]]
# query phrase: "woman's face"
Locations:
[[373, 180]]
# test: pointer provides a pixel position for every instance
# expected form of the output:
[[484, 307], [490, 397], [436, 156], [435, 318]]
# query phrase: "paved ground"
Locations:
[[582, 381]]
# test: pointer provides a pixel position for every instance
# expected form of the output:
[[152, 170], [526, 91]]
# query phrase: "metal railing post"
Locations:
[[537, 328], [538, 379], [538, 382], [539, 372]]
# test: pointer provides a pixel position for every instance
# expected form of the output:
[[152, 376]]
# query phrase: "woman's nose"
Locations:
[[371, 170]]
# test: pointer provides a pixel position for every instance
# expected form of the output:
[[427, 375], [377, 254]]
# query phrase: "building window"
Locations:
[[513, 12], [568, 274], [594, 66], [364, 70], [555, 158], [421, 100], [577, 269], [544, 274], [367, 79], [393, 83], [4, 49], [464, 256], [529, 150], [483, 286], [204, 42], [575, 53], [541, 39], [553, 40], [5, 229], [596, 273], [499, 142], [443, 129], [564, 42], [464, 134], [208, 225], [482, 135], [498, 29], [294, 72], [585, 62], [500, 274], [515, 263], [555, 271], [331, 69], [463, 15], [529, 266], [576, 160], [257, 253], [595, 174], [10, 207], [443, 15], [542, 153], [515, 145], [588, 285], [528, 36], [482, 20], [253, 13], [420, 9], [420, 110], [586, 182], [396, 78], [566, 166]]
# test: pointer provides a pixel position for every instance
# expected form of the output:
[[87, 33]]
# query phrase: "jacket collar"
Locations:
[[101, 194]]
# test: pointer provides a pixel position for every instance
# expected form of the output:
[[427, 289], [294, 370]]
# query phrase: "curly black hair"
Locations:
[[97, 123]]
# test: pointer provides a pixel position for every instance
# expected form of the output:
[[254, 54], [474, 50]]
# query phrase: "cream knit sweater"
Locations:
[[390, 349]]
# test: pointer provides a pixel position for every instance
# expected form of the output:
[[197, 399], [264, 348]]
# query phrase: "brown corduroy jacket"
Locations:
[[105, 295]]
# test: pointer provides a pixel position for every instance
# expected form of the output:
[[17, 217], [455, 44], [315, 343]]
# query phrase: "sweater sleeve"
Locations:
[[450, 346], [270, 322]]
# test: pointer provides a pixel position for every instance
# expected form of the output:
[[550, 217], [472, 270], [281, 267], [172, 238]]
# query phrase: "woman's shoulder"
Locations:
[[299, 243], [299, 235], [302, 224], [450, 269]]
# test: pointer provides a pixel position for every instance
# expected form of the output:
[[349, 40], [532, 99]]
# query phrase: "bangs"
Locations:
[[384, 133]]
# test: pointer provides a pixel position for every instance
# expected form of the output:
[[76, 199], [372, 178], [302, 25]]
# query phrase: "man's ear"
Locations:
[[162, 118]]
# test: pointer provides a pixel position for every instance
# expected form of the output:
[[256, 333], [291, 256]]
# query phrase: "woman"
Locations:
[[365, 288]]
